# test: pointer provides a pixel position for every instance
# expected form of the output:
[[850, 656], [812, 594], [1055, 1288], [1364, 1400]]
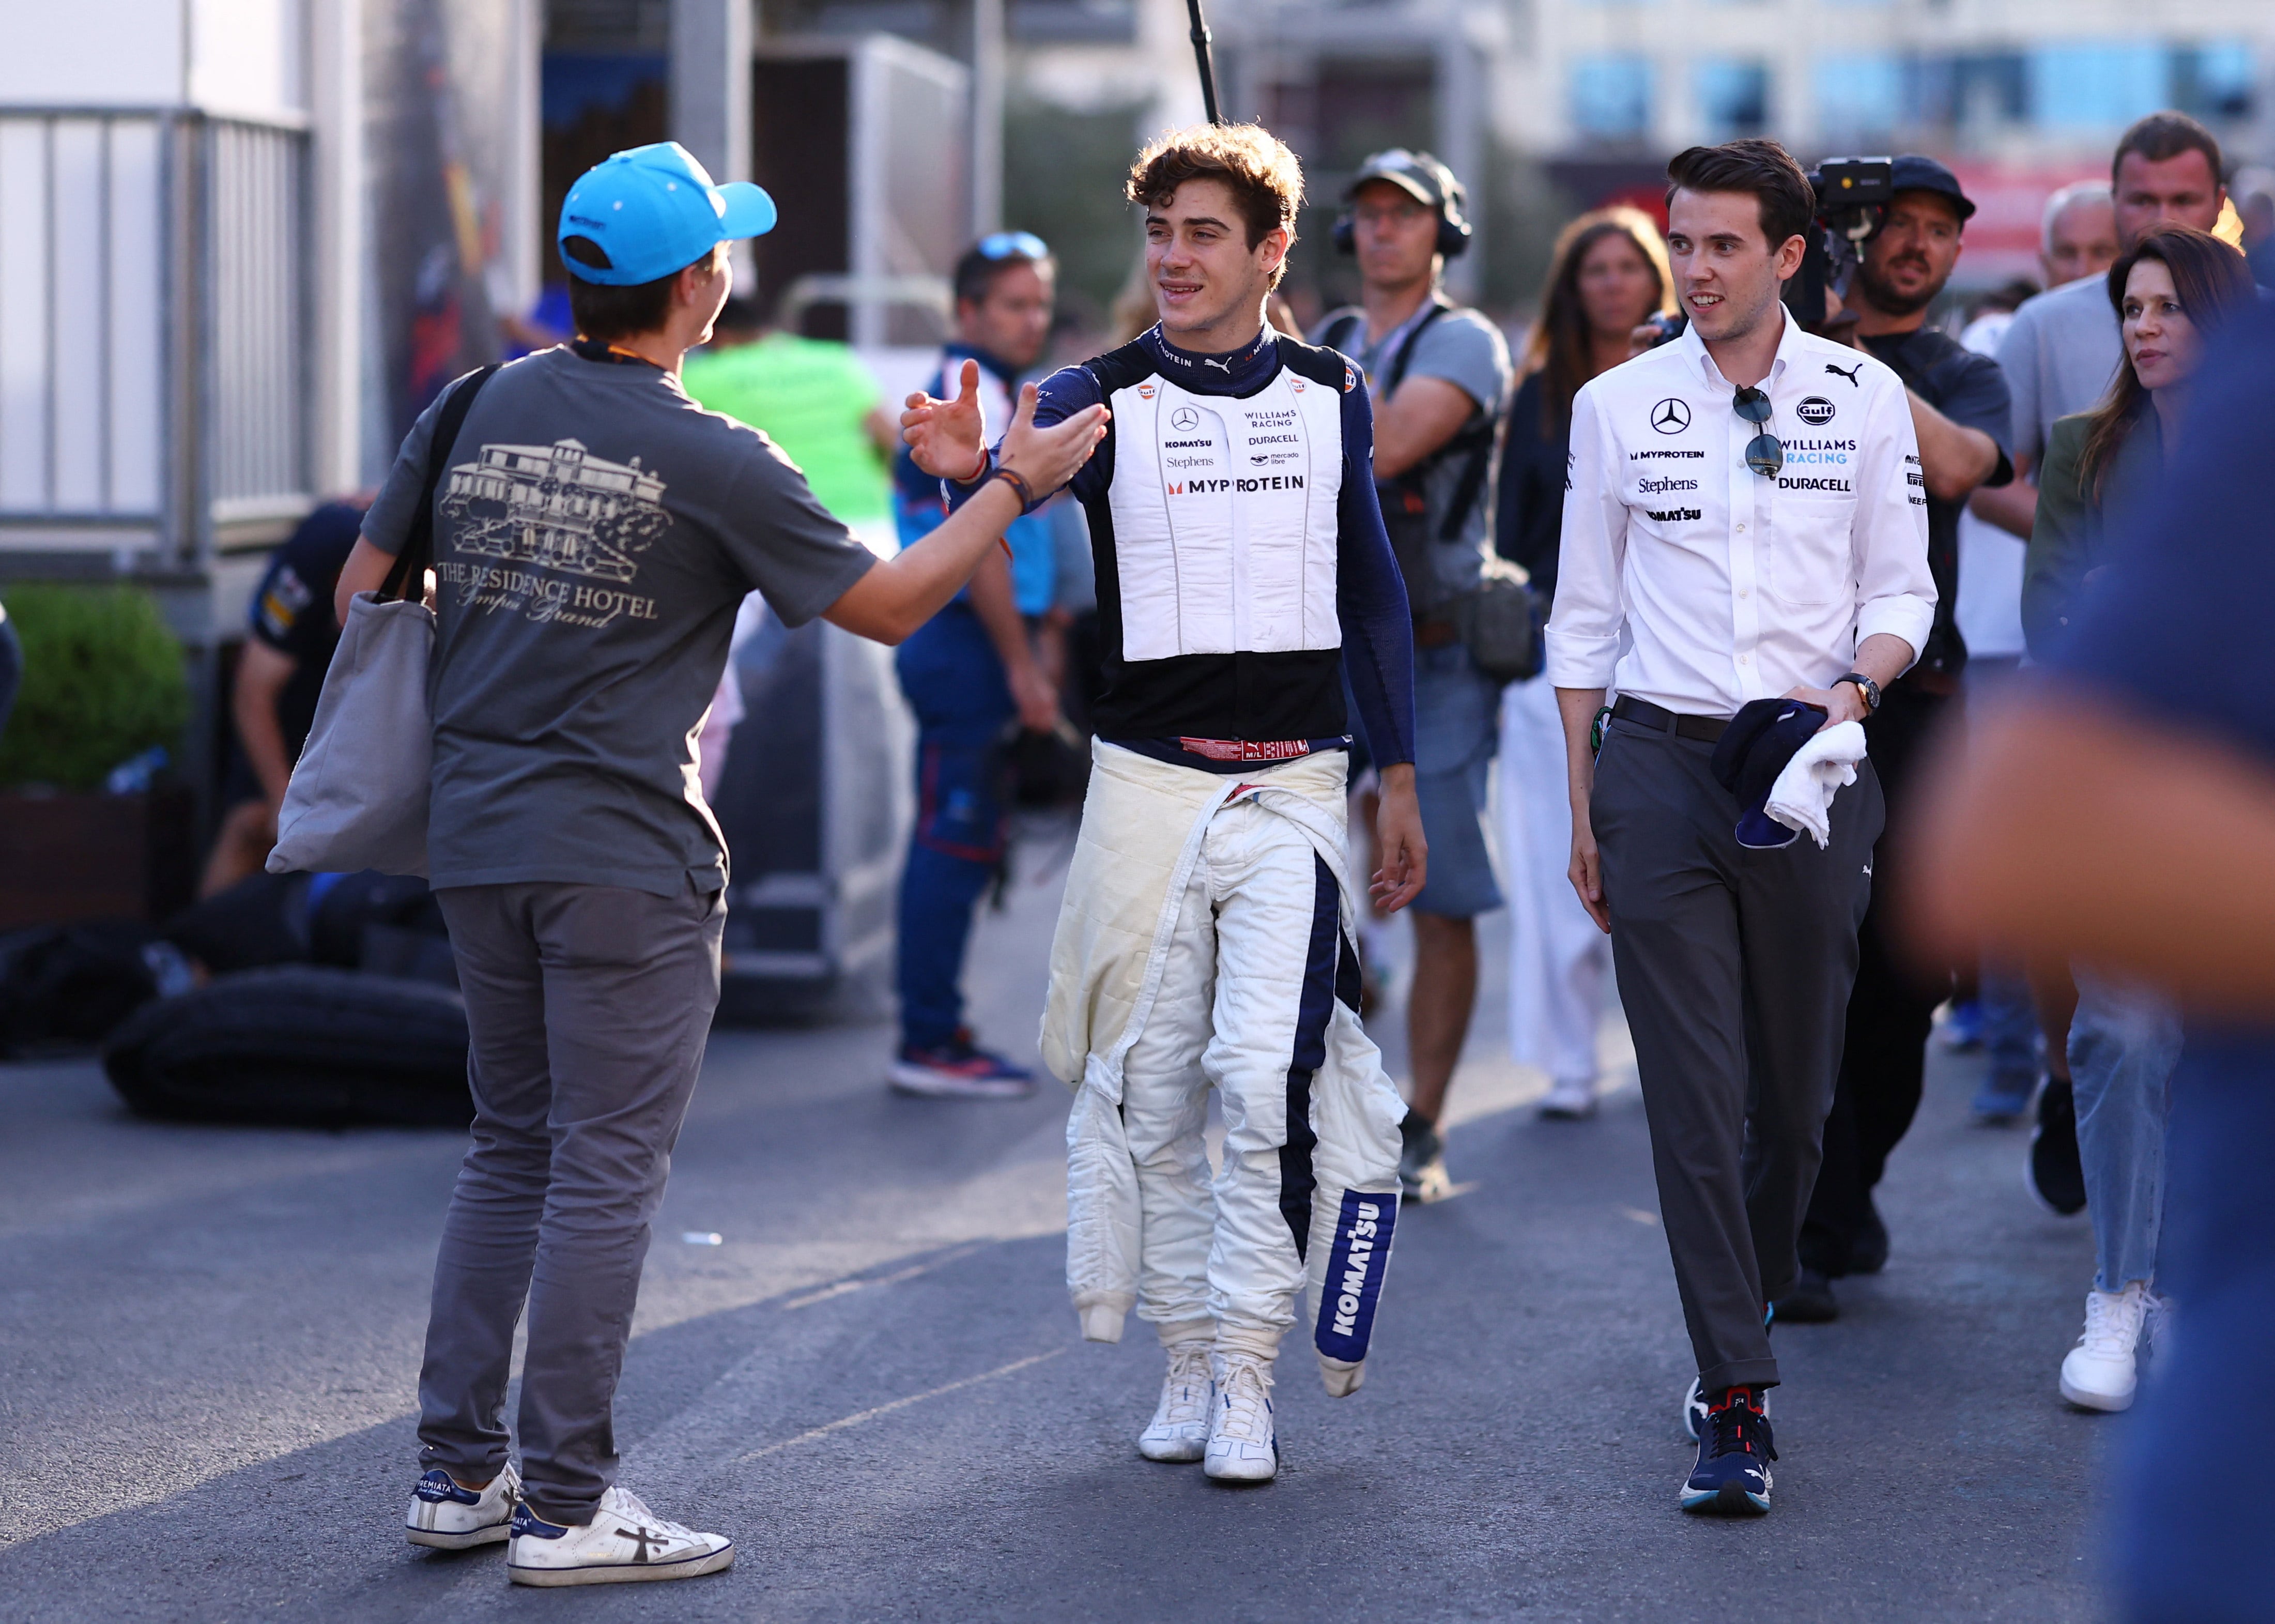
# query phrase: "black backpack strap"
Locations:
[[418, 553], [1341, 329], [1398, 363]]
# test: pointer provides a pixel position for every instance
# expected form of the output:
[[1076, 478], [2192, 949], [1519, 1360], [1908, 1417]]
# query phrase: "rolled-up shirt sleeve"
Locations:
[[1895, 591], [1584, 631]]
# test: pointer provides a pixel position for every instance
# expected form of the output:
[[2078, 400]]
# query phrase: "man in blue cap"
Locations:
[[594, 533]]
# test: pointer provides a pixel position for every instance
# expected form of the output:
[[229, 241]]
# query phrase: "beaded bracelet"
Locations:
[[1020, 488]]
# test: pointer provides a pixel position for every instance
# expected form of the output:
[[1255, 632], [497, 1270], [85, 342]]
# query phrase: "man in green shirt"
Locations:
[[810, 396]]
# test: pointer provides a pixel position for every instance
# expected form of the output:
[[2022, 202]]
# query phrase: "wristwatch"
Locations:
[[1865, 685]]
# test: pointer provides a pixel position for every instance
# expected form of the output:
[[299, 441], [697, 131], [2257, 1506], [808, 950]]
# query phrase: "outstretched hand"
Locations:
[[1046, 458], [947, 437]]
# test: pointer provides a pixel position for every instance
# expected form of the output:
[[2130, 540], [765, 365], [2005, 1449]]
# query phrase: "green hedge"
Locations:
[[103, 681]]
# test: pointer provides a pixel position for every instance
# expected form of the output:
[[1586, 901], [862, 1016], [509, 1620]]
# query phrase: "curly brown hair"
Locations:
[[1263, 174]]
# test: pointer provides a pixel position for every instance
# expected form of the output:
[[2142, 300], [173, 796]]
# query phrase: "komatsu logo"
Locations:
[[1355, 1270], [1261, 482]]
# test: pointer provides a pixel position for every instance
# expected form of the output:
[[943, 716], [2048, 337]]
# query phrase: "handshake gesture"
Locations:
[[946, 438]]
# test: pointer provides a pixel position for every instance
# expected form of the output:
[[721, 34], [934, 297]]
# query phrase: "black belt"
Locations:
[[1706, 729]]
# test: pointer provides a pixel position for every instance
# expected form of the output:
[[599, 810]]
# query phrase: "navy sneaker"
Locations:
[[1734, 1452], [959, 1069]]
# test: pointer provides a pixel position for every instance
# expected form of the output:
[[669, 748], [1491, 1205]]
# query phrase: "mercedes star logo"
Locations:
[[1185, 420], [1670, 416]]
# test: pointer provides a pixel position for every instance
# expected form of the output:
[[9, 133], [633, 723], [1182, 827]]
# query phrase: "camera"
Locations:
[[1853, 195]]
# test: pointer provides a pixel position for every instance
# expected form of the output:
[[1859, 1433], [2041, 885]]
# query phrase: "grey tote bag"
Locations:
[[358, 793]]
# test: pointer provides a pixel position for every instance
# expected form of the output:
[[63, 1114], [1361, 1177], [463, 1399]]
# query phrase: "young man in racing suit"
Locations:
[[1205, 936]]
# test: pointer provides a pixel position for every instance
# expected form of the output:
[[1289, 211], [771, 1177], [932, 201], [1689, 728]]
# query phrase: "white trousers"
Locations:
[[1558, 960]]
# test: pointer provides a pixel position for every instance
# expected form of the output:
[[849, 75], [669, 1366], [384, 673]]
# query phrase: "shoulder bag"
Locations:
[[358, 793]]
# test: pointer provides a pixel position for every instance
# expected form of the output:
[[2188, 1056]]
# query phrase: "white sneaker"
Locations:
[[450, 1518], [2099, 1374], [1571, 1100], [624, 1543], [1180, 1430], [1242, 1446]]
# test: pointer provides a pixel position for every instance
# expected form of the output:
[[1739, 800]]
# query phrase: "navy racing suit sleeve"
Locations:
[[1371, 597], [1059, 396]]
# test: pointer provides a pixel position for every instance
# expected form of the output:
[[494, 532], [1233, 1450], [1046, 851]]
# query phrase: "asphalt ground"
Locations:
[[210, 1341]]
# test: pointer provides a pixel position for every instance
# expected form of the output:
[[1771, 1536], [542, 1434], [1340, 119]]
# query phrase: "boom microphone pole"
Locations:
[[1201, 37]]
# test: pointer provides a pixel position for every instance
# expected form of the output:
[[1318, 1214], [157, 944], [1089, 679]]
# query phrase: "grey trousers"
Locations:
[[588, 1007], [1734, 968]]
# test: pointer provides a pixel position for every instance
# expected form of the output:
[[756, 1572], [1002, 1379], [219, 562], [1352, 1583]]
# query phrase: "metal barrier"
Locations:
[[155, 335]]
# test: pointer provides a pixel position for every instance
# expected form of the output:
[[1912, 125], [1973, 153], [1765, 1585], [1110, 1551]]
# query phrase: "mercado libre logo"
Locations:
[[561, 511]]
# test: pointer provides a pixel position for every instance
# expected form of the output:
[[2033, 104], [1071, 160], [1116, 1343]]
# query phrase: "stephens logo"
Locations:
[[1676, 516], [1185, 420], [1653, 487], [1670, 416], [1355, 1270], [1816, 411]]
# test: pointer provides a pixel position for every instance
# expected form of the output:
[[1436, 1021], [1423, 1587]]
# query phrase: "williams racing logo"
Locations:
[[1355, 1270]]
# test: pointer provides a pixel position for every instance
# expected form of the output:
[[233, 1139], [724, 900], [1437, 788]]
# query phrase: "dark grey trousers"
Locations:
[[588, 1007], [1734, 968]]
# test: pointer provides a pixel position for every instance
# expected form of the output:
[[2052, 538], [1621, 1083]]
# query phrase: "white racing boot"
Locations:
[[1242, 1446], [447, 1517], [2099, 1374], [1180, 1430], [624, 1543]]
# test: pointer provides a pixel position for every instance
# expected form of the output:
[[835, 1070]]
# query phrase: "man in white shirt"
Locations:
[[1747, 521]]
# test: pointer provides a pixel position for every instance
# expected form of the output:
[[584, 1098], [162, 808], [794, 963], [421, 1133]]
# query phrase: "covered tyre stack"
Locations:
[[299, 1045]]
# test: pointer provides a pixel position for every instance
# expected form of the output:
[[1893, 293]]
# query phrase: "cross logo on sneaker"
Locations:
[[642, 1538]]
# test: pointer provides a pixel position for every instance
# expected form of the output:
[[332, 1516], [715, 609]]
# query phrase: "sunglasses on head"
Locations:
[[1764, 452], [1012, 246]]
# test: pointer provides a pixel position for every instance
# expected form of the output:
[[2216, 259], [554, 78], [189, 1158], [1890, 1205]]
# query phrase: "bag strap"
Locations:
[[1398, 363], [418, 554]]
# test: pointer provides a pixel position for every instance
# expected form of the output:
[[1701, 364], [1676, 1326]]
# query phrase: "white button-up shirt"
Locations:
[[1689, 580]]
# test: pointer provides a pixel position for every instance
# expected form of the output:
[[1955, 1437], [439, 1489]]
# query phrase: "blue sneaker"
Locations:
[[1734, 1452], [959, 1069], [1962, 1028]]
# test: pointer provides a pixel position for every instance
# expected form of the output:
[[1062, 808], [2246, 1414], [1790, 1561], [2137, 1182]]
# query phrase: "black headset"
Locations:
[[1452, 225]]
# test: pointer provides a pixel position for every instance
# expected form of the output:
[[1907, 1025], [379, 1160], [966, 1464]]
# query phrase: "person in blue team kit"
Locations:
[[967, 673], [2120, 811]]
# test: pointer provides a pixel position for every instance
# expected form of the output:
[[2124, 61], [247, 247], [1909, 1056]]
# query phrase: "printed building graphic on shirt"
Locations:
[[556, 506]]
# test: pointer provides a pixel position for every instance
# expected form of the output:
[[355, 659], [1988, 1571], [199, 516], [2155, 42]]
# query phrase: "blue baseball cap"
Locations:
[[653, 210]]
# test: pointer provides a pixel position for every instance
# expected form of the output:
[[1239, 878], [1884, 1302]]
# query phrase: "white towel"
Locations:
[[1801, 798]]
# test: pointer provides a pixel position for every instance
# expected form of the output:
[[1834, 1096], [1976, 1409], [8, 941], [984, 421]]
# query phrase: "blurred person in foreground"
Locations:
[[2120, 810], [1607, 274], [1439, 373], [2059, 354], [1959, 411], [292, 633], [593, 544], [1744, 542], [2178, 294], [970, 670], [1205, 938]]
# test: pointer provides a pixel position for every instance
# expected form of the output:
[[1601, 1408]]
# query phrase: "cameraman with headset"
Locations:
[[1959, 409], [1439, 374]]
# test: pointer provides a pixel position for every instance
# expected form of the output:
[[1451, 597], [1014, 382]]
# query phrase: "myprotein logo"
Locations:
[[1676, 516], [1673, 450], [1660, 487], [1816, 411], [1355, 1270], [1261, 482]]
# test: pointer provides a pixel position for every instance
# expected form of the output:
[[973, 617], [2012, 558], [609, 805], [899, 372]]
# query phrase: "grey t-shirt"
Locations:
[[1468, 351], [593, 536], [2058, 354]]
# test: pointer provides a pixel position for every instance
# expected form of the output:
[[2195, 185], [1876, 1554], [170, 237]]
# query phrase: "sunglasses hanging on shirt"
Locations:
[[1764, 452]]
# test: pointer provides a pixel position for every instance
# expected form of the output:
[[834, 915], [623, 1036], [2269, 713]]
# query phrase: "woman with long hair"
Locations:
[[2176, 294], [1608, 275]]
